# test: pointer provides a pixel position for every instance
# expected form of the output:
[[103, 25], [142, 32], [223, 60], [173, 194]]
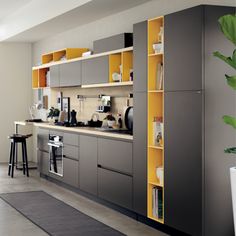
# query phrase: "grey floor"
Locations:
[[13, 223]]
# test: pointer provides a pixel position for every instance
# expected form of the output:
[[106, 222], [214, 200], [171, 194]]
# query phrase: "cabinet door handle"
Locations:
[[99, 166]]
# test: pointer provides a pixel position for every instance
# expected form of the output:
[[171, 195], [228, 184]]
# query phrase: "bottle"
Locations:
[[120, 121]]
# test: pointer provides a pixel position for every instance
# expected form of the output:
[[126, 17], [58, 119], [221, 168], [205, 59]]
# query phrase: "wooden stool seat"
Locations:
[[18, 138]]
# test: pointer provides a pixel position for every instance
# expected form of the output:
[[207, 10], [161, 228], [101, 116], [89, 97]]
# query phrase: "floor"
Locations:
[[13, 223]]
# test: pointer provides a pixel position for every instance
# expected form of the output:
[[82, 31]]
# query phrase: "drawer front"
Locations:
[[71, 172], [42, 139], [115, 187], [55, 132], [116, 155], [71, 152], [43, 160], [71, 139]]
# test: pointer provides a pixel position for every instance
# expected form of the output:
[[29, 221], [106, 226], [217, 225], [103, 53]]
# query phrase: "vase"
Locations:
[[233, 191]]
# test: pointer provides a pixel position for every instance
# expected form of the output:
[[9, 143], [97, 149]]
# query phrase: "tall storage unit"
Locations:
[[189, 190]]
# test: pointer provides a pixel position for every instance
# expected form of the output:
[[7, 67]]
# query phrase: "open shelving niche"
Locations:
[[118, 57], [155, 153]]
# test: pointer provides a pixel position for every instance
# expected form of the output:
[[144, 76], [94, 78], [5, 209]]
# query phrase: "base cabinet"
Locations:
[[43, 162], [88, 164], [71, 172], [115, 187]]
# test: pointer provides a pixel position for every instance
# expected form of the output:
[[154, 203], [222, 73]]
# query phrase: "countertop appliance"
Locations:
[[56, 154]]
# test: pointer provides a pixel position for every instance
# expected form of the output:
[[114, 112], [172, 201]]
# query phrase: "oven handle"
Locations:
[[55, 145]]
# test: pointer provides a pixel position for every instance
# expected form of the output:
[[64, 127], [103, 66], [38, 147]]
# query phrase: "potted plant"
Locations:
[[111, 120], [54, 114], [228, 27]]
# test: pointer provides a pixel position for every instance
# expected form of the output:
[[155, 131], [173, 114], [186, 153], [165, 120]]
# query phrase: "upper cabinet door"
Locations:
[[70, 74], [140, 57], [95, 71], [54, 77], [183, 50]]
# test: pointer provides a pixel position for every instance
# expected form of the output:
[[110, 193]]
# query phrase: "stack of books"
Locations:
[[157, 203]]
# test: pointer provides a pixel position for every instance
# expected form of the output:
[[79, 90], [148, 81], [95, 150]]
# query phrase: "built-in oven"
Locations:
[[56, 154]]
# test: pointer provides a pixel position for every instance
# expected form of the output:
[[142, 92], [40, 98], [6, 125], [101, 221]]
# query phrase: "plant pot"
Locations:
[[110, 123], [233, 191]]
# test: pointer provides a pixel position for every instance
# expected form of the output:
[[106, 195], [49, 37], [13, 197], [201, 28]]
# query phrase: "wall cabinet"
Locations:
[[95, 71], [88, 164], [116, 155], [115, 187], [65, 75]]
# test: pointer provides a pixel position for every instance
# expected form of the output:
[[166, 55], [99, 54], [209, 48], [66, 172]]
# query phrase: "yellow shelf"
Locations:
[[111, 84], [155, 183], [156, 147], [155, 54], [156, 219], [156, 91]]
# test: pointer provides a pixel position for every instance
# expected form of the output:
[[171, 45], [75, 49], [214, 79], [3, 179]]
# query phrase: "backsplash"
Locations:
[[85, 109]]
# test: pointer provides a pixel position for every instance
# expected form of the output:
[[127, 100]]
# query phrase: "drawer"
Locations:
[[116, 155], [55, 132], [115, 187], [71, 152], [71, 172], [71, 139]]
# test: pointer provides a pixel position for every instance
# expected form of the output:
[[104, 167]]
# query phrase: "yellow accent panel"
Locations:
[[152, 71], [155, 108], [46, 58], [127, 65], [155, 159], [42, 77], [35, 76], [114, 65], [153, 31]]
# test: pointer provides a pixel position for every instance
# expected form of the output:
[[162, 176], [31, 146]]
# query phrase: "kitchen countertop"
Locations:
[[82, 130]]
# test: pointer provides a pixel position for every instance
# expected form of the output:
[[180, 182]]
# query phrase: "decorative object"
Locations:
[[111, 120], [158, 47], [54, 114], [160, 174], [228, 27]]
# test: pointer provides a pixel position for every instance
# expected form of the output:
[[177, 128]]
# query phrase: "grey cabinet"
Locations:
[[140, 153], [71, 152], [183, 50], [116, 155], [183, 161], [115, 187], [95, 71], [43, 162], [140, 57], [70, 74], [54, 76], [88, 164], [71, 172], [42, 139], [71, 139]]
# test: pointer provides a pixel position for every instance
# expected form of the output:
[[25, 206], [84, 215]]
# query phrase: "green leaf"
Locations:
[[228, 27], [231, 81], [231, 150], [230, 61], [230, 120]]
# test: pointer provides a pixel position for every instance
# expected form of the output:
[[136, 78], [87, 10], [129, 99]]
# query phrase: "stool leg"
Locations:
[[26, 159], [23, 158], [13, 159], [9, 164]]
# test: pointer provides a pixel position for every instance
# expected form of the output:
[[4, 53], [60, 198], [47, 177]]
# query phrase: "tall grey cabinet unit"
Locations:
[[140, 119], [196, 171]]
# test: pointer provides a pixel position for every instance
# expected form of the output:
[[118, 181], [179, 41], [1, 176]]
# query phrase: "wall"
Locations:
[[15, 91]]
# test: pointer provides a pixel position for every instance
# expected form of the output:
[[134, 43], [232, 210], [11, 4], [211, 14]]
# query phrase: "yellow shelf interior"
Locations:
[[153, 31], [114, 65], [35, 78], [155, 155], [47, 58], [127, 65]]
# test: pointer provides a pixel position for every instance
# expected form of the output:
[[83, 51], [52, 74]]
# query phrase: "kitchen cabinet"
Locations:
[[42, 139], [71, 172], [116, 155], [43, 162], [71, 139], [88, 164], [115, 187], [54, 76], [71, 152], [140, 57], [95, 71], [70, 74], [140, 153]]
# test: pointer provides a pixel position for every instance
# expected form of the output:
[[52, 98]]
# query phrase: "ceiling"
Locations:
[[33, 20]]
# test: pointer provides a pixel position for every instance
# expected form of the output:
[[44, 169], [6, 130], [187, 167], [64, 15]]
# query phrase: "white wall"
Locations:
[[84, 36], [15, 90]]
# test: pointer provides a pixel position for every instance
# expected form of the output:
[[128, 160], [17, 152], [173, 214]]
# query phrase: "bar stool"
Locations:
[[15, 139]]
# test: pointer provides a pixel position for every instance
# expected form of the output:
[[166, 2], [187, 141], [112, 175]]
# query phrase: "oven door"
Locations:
[[56, 158]]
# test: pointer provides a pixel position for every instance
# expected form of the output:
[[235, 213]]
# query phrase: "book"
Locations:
[[160, 75]]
